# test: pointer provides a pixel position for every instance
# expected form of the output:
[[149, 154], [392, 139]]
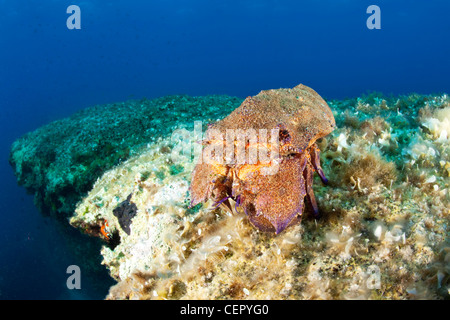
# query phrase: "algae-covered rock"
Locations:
[[59, 162], [383, 233]]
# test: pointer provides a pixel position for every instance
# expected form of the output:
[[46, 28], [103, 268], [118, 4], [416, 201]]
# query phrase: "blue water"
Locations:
[[134, 49]]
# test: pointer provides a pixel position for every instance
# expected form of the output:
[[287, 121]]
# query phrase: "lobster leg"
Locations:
[[315, 160], [309, 172]]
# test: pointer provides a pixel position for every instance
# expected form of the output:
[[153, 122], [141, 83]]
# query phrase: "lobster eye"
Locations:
[[284, 136]]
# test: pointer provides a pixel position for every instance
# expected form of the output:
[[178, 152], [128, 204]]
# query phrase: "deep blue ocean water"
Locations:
[[150, 48]]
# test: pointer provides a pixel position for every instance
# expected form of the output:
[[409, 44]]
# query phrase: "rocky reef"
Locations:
[[382, 234], [59, 162]]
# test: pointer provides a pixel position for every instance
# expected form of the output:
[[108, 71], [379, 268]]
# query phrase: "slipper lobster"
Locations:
[[268, 178]]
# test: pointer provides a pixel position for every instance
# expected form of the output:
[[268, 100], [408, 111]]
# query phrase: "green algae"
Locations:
[[176, 169]]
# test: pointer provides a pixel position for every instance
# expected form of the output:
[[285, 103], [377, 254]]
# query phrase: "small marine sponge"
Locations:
[[271, 191]]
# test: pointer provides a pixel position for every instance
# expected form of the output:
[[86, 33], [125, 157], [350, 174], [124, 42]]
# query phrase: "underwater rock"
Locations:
[[59, 162], [383, 233]]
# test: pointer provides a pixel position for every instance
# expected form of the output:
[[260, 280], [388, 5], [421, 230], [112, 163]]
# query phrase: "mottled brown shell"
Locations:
[[300, 111]]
